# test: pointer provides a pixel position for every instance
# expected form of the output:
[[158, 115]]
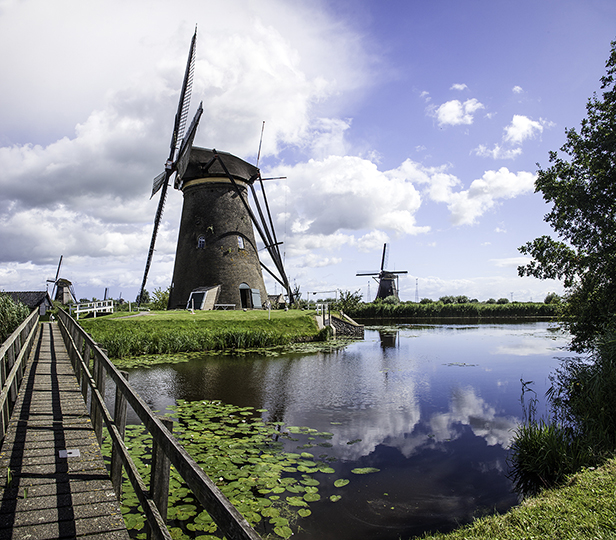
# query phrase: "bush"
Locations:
[[12, 314], [502, 301]]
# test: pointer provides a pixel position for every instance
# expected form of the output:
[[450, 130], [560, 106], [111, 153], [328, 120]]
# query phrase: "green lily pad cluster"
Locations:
[[245, 457]]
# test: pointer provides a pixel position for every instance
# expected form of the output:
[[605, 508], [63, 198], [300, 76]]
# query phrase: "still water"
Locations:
[[432, 406]]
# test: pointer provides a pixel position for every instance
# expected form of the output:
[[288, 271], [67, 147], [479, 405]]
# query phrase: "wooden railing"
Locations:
[[166, 449], [13, 356], [100, 306]]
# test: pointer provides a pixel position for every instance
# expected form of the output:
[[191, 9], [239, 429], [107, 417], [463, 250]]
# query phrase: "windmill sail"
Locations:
[[161, 182]]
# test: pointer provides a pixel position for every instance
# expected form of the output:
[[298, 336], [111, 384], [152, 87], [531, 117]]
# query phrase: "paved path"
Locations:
[[44, 495]]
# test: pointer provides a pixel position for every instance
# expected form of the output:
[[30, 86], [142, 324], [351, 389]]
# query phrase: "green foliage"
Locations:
[[12, 314], [582, 430], [581, 187], [426, 301], [348, 301], [435, 310], [502, 301], [161, 299], [392, 300], [244, 457], [552, 298], [144, 296]]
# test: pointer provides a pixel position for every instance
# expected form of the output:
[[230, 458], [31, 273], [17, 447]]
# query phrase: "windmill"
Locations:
[[179, 152], [62, 288], [386, 279], [217, 261]]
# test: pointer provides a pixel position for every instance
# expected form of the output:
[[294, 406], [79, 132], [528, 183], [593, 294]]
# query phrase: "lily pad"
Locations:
[[365, 470], [341, 482]]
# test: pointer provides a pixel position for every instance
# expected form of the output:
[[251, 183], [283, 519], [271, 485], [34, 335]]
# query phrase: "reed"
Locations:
[[436, 310]]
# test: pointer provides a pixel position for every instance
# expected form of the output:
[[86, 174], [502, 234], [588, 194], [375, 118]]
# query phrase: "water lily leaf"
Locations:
[[296, 501], [304, 512], [365, 470], [284, 532], [341, 482], [335, 498], [312, 497]]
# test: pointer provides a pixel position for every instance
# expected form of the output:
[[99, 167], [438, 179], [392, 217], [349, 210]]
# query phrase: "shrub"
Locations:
[[12, 314]]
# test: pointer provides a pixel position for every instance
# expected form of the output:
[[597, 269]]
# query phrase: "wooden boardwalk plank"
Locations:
[[43, 494]]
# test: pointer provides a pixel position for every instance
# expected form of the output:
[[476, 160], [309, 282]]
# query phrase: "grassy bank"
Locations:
[[584, 508], [436, 310], [168, 332]]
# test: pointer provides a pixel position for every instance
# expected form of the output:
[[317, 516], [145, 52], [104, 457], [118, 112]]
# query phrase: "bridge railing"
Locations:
[[14, 354], [84, 351], [100, 306]]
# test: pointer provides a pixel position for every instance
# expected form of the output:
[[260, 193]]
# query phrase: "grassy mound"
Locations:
[[168, 332]]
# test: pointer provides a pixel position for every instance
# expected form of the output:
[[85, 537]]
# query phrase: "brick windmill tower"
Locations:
[[217, 258]]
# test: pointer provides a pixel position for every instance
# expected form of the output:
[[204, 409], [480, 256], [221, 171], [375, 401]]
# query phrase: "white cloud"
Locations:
[[517, 89], [498, 152], [455, 112], [521, 128], [458, 86], [467, 206], [510, 262]]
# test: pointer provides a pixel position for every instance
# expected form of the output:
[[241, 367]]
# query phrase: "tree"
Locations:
[[145, 297], [12, 314], [348, 300], [161, 298], [582, 190]]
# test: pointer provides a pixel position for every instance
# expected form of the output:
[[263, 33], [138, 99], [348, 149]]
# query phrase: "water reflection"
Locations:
[[433, 407]]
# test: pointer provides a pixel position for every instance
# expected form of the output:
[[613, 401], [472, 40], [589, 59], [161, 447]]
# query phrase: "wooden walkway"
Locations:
[[53, 481]]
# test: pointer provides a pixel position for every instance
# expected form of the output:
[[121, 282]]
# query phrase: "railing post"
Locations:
[[119, 418], [83, 378], [159, 476]]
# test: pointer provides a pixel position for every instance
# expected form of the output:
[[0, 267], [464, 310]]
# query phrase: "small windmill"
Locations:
[[62, 288], [179, 153], [386, 279]]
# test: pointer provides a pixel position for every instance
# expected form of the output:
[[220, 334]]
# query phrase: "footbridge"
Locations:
[[54, 482]]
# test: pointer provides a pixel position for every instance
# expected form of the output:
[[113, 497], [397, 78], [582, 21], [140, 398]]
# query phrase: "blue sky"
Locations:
[[415, 123]]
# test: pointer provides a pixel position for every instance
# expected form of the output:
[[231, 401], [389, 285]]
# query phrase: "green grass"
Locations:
[[585, 508], [169, 332]]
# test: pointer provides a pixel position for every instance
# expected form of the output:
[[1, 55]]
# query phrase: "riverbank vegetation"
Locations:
[[455, 310], [168, 332]]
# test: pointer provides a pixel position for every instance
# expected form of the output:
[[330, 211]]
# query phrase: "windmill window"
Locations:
[[240, 242], [201, 242]]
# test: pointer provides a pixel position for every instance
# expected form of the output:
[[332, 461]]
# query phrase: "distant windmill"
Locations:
[[217, 258], [386, 279], [179, 153], [62, 288]]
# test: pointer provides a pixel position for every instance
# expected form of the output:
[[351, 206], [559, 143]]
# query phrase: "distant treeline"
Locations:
[[438, 310]]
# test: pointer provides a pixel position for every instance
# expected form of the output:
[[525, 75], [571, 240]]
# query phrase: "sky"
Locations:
[[417, 124]]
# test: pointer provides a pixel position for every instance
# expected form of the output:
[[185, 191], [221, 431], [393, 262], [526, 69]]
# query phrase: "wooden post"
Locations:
[[83, 378], [159, 476], [119, 418]]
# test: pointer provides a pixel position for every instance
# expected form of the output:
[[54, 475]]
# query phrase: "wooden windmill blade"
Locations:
[[161, 182]]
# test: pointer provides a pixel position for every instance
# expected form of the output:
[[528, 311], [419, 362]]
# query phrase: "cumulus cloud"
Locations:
[[517, 89], [466, 206], [519, 130], [455, 112], [458, 86]]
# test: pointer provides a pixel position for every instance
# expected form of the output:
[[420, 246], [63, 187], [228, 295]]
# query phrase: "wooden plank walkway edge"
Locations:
[[53, 480]]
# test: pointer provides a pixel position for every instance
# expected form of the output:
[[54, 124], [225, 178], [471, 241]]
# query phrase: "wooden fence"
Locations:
[[84, 352], [14, 354]]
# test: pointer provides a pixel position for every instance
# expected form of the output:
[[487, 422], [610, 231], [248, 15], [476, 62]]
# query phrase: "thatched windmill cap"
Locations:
[[200, 157]]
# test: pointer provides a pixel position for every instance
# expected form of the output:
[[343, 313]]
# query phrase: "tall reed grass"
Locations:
[[436, 310], [134, 341], [582, 428]]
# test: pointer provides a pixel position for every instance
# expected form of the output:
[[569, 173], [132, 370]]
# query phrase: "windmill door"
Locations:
[[245, 296]]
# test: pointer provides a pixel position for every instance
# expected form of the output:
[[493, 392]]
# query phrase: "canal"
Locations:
[[432, 407]]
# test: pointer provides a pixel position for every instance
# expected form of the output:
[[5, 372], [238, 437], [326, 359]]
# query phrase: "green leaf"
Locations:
[[365, 470]]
